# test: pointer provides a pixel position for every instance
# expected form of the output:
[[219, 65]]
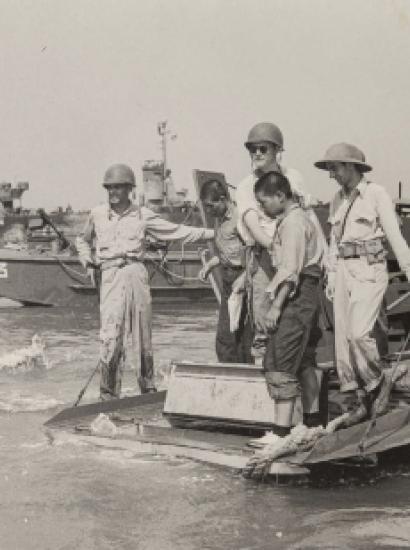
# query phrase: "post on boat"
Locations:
[[164, 132]]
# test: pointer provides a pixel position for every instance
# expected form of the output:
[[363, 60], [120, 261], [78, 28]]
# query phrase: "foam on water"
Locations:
[[18, 401], [25, 359]]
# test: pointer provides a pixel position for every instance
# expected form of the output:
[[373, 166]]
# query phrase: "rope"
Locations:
[[73, 273], [76, 275], [161, 267]]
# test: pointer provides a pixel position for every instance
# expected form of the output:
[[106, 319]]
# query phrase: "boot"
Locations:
[[312, 420], [359, 412]]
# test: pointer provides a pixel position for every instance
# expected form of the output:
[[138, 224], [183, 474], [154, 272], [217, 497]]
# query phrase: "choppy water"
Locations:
[[69, 495]]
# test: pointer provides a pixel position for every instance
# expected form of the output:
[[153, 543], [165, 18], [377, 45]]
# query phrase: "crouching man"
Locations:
[[114, 239], [291, 320]]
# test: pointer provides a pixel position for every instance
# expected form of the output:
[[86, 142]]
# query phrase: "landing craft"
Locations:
[[212, 412]]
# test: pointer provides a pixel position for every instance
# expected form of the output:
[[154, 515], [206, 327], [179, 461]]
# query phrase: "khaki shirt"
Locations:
[[298, 249], [246, 200], [123, 235], [371, 216], [228, 242]]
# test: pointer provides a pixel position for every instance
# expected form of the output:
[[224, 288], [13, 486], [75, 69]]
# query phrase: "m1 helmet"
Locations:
[[265, 131], [119, 174]]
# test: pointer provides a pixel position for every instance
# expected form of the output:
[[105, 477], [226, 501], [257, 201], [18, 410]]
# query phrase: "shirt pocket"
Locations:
[[361, 225], [105, 235]]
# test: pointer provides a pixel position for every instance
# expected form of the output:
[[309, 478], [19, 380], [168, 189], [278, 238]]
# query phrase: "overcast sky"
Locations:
[[84, 83]]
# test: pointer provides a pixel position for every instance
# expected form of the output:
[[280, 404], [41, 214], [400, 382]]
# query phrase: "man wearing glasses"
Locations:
[[265, 144]]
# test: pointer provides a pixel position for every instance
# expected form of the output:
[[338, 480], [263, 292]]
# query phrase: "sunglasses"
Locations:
[[255, 148]]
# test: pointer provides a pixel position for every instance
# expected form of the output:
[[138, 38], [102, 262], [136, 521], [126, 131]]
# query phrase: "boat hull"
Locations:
[[32, 279]]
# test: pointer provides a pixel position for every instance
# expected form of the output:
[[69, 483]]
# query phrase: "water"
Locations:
[[71, 495]]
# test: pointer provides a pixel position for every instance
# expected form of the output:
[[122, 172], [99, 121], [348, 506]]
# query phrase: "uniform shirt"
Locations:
[[228, 242], [123, 235], [371, 216], [246, 200], [298, 249]]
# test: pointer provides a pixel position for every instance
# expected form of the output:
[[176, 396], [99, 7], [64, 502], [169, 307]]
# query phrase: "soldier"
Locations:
[[361, 217], [118, 230], [265, 145]]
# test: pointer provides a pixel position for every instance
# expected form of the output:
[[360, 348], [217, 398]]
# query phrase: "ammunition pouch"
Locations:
[[374, 250]]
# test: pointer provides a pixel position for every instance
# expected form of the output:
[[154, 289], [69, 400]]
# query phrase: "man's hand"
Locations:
[[207, 268], [330, 286], [91, 274], [204, 272], [271, 319]]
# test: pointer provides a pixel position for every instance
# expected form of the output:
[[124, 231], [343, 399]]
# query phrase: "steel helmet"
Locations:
[[265, 131], [344, 152], [119, 174]]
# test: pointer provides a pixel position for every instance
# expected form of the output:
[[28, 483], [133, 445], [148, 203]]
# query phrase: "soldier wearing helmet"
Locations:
[[362, 217], [265, 145], [113, 239]]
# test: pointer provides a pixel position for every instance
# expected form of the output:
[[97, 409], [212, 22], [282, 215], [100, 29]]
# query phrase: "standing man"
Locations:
[[114, 240], [361, 217], [292, 296], [265, 145], [231, 347]]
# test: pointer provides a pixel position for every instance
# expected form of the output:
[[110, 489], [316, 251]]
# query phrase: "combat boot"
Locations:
[[360, 412]]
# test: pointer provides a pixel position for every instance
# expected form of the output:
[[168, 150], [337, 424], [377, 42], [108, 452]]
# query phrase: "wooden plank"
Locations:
[[227, 460], [227, 394], [124, 403]]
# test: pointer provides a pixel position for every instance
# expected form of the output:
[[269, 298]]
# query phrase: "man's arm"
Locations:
[[169, 231], [275, 310], [84, 241], [292, 256], [208, 267], [251, 220], [388, 220]]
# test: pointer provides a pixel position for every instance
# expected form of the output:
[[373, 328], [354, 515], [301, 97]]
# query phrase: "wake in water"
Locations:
[[25, 359]]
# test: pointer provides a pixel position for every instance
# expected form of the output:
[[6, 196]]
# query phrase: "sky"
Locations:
[[84, 83]]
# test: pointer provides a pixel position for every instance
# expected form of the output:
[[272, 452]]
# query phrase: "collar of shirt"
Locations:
[[282, 216], [229, 212], [112, 214], [358, 190]]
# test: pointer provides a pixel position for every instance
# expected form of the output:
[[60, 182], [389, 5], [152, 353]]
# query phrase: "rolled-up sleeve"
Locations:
[[388, 221], [84, 242], [169, 231], [292, 255]]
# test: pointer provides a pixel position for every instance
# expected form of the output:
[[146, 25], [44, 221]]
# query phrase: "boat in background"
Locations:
[[31, 278], [40, 267], [34, 270]]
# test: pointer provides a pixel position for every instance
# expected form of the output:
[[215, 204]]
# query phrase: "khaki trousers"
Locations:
[[359, 291], [125, 334]]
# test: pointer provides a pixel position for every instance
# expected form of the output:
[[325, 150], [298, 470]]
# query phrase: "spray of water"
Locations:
[[25, 359]]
